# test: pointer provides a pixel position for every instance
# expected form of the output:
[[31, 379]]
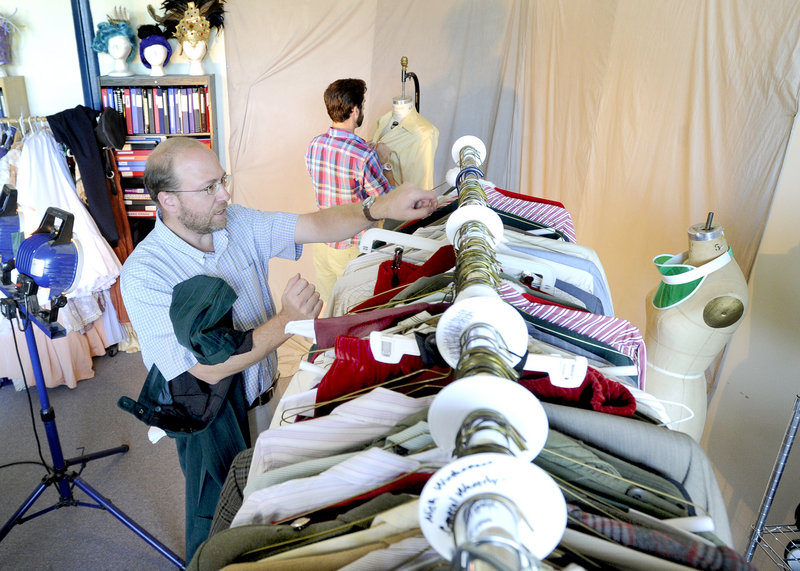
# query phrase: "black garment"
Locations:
[[75, 129], [208, 422]]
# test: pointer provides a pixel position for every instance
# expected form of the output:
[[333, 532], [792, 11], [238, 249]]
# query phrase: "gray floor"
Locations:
[[145, 483]]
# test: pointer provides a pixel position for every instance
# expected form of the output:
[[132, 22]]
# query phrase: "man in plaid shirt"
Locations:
[[344, 168]]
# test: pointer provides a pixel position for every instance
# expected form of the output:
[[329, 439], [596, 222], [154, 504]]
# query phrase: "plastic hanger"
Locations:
[[510, 261]]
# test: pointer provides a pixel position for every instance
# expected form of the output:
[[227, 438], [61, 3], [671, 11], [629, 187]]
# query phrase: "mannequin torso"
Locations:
[[684, 337]]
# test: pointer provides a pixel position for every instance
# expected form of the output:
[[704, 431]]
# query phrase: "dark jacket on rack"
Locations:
[[75, 129]]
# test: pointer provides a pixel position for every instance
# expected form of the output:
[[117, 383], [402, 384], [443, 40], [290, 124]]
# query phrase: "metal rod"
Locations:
[[777, 473]]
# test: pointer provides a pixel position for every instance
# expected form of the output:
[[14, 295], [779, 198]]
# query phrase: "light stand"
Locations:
[[19, 299]]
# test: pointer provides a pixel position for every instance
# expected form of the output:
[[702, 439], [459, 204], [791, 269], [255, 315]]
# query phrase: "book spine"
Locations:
[[138, 110], [147, 113], [196, 110], [128, 106], [185, 110]]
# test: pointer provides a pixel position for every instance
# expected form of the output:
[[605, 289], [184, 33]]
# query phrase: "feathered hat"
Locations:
[[190, 21]]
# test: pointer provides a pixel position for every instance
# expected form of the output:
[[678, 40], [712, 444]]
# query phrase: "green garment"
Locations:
[[208, 422], [230, 545]]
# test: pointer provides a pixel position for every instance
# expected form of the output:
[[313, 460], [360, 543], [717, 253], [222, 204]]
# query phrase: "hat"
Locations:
[[152, 35]]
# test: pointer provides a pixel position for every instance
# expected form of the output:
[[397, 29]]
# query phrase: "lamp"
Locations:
[[10, 226], [52, 258], [49, 258]]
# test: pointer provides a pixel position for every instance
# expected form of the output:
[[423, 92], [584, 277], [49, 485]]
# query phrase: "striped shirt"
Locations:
[[344, 169], [241, 256]]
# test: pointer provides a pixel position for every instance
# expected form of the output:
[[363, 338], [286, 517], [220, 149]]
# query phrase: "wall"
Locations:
[[754, 399], [45, 53]]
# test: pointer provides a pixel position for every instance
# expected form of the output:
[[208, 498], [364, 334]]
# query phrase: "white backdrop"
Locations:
[[641, 117]]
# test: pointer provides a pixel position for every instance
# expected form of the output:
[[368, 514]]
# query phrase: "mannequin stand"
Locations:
[[59, 474]]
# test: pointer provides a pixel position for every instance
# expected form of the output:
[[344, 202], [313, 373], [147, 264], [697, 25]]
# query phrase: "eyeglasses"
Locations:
[[214, 187]]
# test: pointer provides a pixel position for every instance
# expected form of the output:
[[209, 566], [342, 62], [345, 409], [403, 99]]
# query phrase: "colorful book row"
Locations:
[[161, 110]]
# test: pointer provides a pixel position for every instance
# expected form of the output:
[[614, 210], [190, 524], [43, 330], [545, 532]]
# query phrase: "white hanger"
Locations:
[[22, 125], [512, 262], [565, 372], [399, 238]]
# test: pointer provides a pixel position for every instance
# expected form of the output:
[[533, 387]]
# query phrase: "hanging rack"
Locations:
[[491, 507]]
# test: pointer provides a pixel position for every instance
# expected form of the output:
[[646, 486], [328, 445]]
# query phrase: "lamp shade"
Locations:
[[49, 256], [9, 222]]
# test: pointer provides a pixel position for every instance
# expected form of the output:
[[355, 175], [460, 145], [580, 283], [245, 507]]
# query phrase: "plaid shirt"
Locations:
[[344, 169]]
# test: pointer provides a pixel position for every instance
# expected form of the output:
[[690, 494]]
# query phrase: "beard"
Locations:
[[360, 118], [201, 223]]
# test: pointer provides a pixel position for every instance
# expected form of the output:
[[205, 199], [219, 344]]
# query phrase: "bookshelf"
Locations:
[[13, 97], [155, 108]]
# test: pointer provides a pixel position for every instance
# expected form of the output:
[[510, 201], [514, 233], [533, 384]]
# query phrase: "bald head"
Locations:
[[161, 172]]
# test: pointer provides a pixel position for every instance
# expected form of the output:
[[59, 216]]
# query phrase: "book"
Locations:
[[142, 197], [147, 113], [133, 154], [138, 108], [131, 165], [141, 213], [119, 103], [129, 174], [128, 109], [196, 126], [173, 127], [185, 110], [151, 109], [139, 205], [159, 114], [203, 110]]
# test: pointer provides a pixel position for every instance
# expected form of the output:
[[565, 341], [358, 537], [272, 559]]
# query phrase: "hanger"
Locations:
[[512, 262], [22, 125]]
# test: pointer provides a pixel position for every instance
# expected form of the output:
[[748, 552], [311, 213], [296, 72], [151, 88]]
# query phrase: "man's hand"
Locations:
[[406, 202], [384, 152], [300, 300]]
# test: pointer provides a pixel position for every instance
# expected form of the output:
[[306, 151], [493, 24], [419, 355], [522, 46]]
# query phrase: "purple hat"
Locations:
[[150, 35]]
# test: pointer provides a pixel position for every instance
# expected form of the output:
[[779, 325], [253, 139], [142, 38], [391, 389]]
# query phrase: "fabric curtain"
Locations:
[[641, 117]]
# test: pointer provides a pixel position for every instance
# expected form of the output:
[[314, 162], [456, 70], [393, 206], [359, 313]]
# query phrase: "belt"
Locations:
[[263, 398]]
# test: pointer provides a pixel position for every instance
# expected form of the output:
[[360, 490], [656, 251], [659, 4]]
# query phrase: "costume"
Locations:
[[241, 256], [413, 142]]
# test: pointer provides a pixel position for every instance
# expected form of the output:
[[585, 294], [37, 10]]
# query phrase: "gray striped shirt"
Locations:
[[241, 257]]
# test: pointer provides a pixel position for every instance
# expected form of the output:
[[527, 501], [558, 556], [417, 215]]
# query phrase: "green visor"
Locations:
[[679, 281]]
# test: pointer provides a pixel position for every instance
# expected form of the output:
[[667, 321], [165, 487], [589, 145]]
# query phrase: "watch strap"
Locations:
[[365, 207]]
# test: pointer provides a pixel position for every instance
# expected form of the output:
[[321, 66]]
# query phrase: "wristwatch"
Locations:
[[366, 206], [387, 167]]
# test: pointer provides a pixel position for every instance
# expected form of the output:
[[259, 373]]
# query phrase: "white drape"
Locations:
[[641, 117]]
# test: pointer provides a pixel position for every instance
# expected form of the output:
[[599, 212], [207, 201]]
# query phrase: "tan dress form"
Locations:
[[683, 340]]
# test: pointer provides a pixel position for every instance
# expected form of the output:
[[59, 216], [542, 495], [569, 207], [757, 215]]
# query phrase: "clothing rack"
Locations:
[[493, 426]]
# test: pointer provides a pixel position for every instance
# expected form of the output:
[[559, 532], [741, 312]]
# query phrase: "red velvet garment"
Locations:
[[596, 393], [326, 329], [355, 369], [442, 260]]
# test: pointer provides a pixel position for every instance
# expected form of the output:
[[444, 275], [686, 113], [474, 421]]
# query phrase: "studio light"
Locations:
[[51, 257], [10, 225]]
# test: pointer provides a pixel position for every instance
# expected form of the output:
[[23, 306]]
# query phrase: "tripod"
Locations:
[[60, 475]]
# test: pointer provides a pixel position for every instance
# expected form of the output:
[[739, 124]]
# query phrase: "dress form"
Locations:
[[119, 48], [195, 54], [156, 56], [684, 339]]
